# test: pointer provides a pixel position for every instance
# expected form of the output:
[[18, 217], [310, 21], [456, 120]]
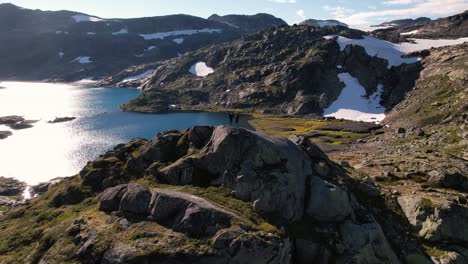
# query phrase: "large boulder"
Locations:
[[436, 222], [270, 172], [178, 211], [187, 213], [328, 202], [163, 148], [366, 243], [110, 200], [135, 200], [448, 223]]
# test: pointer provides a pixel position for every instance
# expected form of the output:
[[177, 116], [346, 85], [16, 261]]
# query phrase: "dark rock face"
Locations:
[[11, 187], [5, 134], [72, 195], [62, 119], [16, 122], [455, 181]]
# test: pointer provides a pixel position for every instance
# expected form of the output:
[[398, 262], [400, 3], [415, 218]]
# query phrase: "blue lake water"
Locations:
[[48, 150]]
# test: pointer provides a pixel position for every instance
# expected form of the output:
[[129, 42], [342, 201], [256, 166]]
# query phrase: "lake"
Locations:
[[47, 150]]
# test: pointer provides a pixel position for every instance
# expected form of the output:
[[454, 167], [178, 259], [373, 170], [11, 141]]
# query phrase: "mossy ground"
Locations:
[[286, 126], [30, 231]]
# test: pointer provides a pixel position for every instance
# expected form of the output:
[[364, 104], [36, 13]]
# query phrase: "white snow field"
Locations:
[[393, 52], [120, 32], [85, 18], [163, 35], [179, 40], [409, 33], [201, 69], [138, 77], [82, 60], [353, 105]]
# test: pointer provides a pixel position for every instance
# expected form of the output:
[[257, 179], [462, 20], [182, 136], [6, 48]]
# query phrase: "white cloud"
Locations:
[[401, 2], [338, 11], [300, 13], [419, 8], [284, 1]]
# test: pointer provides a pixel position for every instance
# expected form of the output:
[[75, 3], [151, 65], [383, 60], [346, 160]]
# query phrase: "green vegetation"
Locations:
[[287, 126]]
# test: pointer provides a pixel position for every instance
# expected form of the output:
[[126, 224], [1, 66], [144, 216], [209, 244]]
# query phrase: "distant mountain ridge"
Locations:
[[249, 23], [403, 22], [451, 27], [70, 46], [323, 23]]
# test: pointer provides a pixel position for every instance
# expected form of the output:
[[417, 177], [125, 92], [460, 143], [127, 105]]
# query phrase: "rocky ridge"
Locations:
[[68, 46], [205, 195], [451, 27], [287, 70]]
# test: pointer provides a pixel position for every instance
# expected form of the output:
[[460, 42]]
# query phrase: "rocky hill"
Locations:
[[249, 24], [291, 70], [70, 46], [443, 28], [403, 22], [323, 23], [208, 195]]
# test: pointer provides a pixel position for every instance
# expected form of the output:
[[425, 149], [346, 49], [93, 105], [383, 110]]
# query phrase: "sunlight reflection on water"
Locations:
[[48, 150]]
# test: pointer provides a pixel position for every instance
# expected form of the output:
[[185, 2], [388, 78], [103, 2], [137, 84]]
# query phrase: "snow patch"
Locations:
[[393, 52], [85, 18], [409, 33], [178, 40], [422, 44], [230, 24], [61, 54], [91, 33], [120, 32], [163, 35], [86, 81], [82, 60], [138, 77], [150, 48], [352, 103], [339, 66], [201, 69]]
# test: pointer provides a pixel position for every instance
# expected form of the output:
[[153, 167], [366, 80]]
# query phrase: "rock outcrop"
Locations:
[[208, 195]]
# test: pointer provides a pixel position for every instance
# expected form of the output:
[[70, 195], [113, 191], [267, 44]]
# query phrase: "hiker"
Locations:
[[237, 119], [231, 117]]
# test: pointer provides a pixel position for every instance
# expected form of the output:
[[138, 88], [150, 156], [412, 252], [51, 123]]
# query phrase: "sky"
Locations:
[[352, 12]]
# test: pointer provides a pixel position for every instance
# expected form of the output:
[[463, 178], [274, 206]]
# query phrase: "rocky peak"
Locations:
[[251, 23], [323, 23]]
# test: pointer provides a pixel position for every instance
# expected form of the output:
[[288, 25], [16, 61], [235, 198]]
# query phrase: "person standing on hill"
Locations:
[[237, 119], [231, 117]]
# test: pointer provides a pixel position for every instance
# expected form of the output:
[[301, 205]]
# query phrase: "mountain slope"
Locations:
[[452, 27], [249, 24], [323, 23], [40, 45], [291, 70]]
